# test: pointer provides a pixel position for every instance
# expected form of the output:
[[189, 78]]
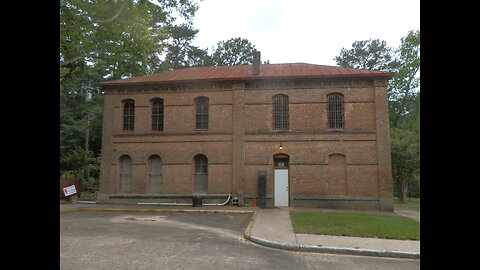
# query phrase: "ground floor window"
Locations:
[[125, 174], [201, 174], [155, 174]]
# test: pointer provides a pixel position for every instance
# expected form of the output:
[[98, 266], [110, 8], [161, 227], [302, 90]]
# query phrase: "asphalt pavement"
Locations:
[[272, 227]]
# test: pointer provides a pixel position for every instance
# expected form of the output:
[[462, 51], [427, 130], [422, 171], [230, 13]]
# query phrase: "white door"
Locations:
[[281, 188]]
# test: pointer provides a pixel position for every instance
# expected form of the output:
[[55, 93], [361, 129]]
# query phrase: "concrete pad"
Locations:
[[408, 213], [274, 225], [358, 242]]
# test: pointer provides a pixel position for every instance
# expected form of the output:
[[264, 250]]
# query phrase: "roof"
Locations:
[[267, 71]]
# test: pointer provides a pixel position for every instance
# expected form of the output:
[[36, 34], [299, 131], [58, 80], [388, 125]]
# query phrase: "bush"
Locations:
[[70, 174], [76, 162]]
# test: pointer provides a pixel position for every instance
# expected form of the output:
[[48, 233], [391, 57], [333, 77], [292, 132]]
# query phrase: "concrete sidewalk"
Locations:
[[273, 228]]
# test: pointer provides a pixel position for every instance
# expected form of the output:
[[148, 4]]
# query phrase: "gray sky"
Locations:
[[309, 31]]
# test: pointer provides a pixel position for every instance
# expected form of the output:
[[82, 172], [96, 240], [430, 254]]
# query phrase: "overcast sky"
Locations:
[[308, 31]]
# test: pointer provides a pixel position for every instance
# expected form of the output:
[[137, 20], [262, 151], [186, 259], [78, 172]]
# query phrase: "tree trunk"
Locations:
[[402, 190]]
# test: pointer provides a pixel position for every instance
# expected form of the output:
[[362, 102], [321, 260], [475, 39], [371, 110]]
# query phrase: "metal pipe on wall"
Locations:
[[183, 204]]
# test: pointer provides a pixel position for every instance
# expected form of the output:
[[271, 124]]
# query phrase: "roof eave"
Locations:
[[119, 83]]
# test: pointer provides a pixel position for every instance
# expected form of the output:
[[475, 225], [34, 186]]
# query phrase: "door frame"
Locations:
[[280, 167]]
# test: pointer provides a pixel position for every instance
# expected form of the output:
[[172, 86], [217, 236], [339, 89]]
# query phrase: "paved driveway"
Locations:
[[130, 240]]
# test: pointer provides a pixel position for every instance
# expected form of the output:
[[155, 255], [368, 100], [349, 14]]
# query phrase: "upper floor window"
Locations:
[[128, 114], [335, 110], [280, 111], [201, 113], [157, 114]]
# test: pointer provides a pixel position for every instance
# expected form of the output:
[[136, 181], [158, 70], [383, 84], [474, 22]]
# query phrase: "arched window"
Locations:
[[157, 114], [280, 112], [128, 114], [335, 110], [125, 174], [201, 174], [201, 113], [155, 174]]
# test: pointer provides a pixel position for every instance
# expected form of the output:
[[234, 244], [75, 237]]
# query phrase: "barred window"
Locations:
[[280, 111], [202, 113], [335, 110], [128, 114], [157, 114]]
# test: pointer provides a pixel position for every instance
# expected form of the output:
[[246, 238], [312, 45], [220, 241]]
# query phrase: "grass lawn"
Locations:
[[88, 196], [359, 225]]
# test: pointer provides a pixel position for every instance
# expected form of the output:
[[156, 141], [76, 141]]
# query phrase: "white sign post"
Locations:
[[69, 190]]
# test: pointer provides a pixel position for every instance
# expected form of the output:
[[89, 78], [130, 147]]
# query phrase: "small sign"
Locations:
[[69, 190]]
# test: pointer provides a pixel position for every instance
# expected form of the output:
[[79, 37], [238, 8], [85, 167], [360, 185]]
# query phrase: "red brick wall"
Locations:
[[241, 140]]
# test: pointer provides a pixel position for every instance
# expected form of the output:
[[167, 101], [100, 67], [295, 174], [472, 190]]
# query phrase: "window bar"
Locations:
[[201, 114], [128, 115], [280, 111], [335, 110], [157, 115]]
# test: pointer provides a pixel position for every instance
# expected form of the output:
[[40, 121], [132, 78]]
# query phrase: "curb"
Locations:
[[331, 250], [246, 232], [88, 209], [335, 250]]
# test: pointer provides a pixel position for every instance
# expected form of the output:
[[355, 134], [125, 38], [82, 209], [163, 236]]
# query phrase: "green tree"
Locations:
[[234, 51], [368, 54], [405, 85], [117, 37], [403, 95], [404, 106], [77, 160], [405, 148], [77, 114], [106, 39], [180, 52]]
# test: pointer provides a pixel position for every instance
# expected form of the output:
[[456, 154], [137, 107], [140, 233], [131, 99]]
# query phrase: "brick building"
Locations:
[[320, 133]]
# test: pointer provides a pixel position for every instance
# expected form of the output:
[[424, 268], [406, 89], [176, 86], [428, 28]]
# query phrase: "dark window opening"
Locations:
[[281, 162], [201, 164], [280, 112], [157, 115], [128, 115], [335, 110], [201, 113]]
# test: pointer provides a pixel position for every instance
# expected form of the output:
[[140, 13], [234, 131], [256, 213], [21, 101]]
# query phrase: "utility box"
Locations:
[[262, 189], [197, 202]]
